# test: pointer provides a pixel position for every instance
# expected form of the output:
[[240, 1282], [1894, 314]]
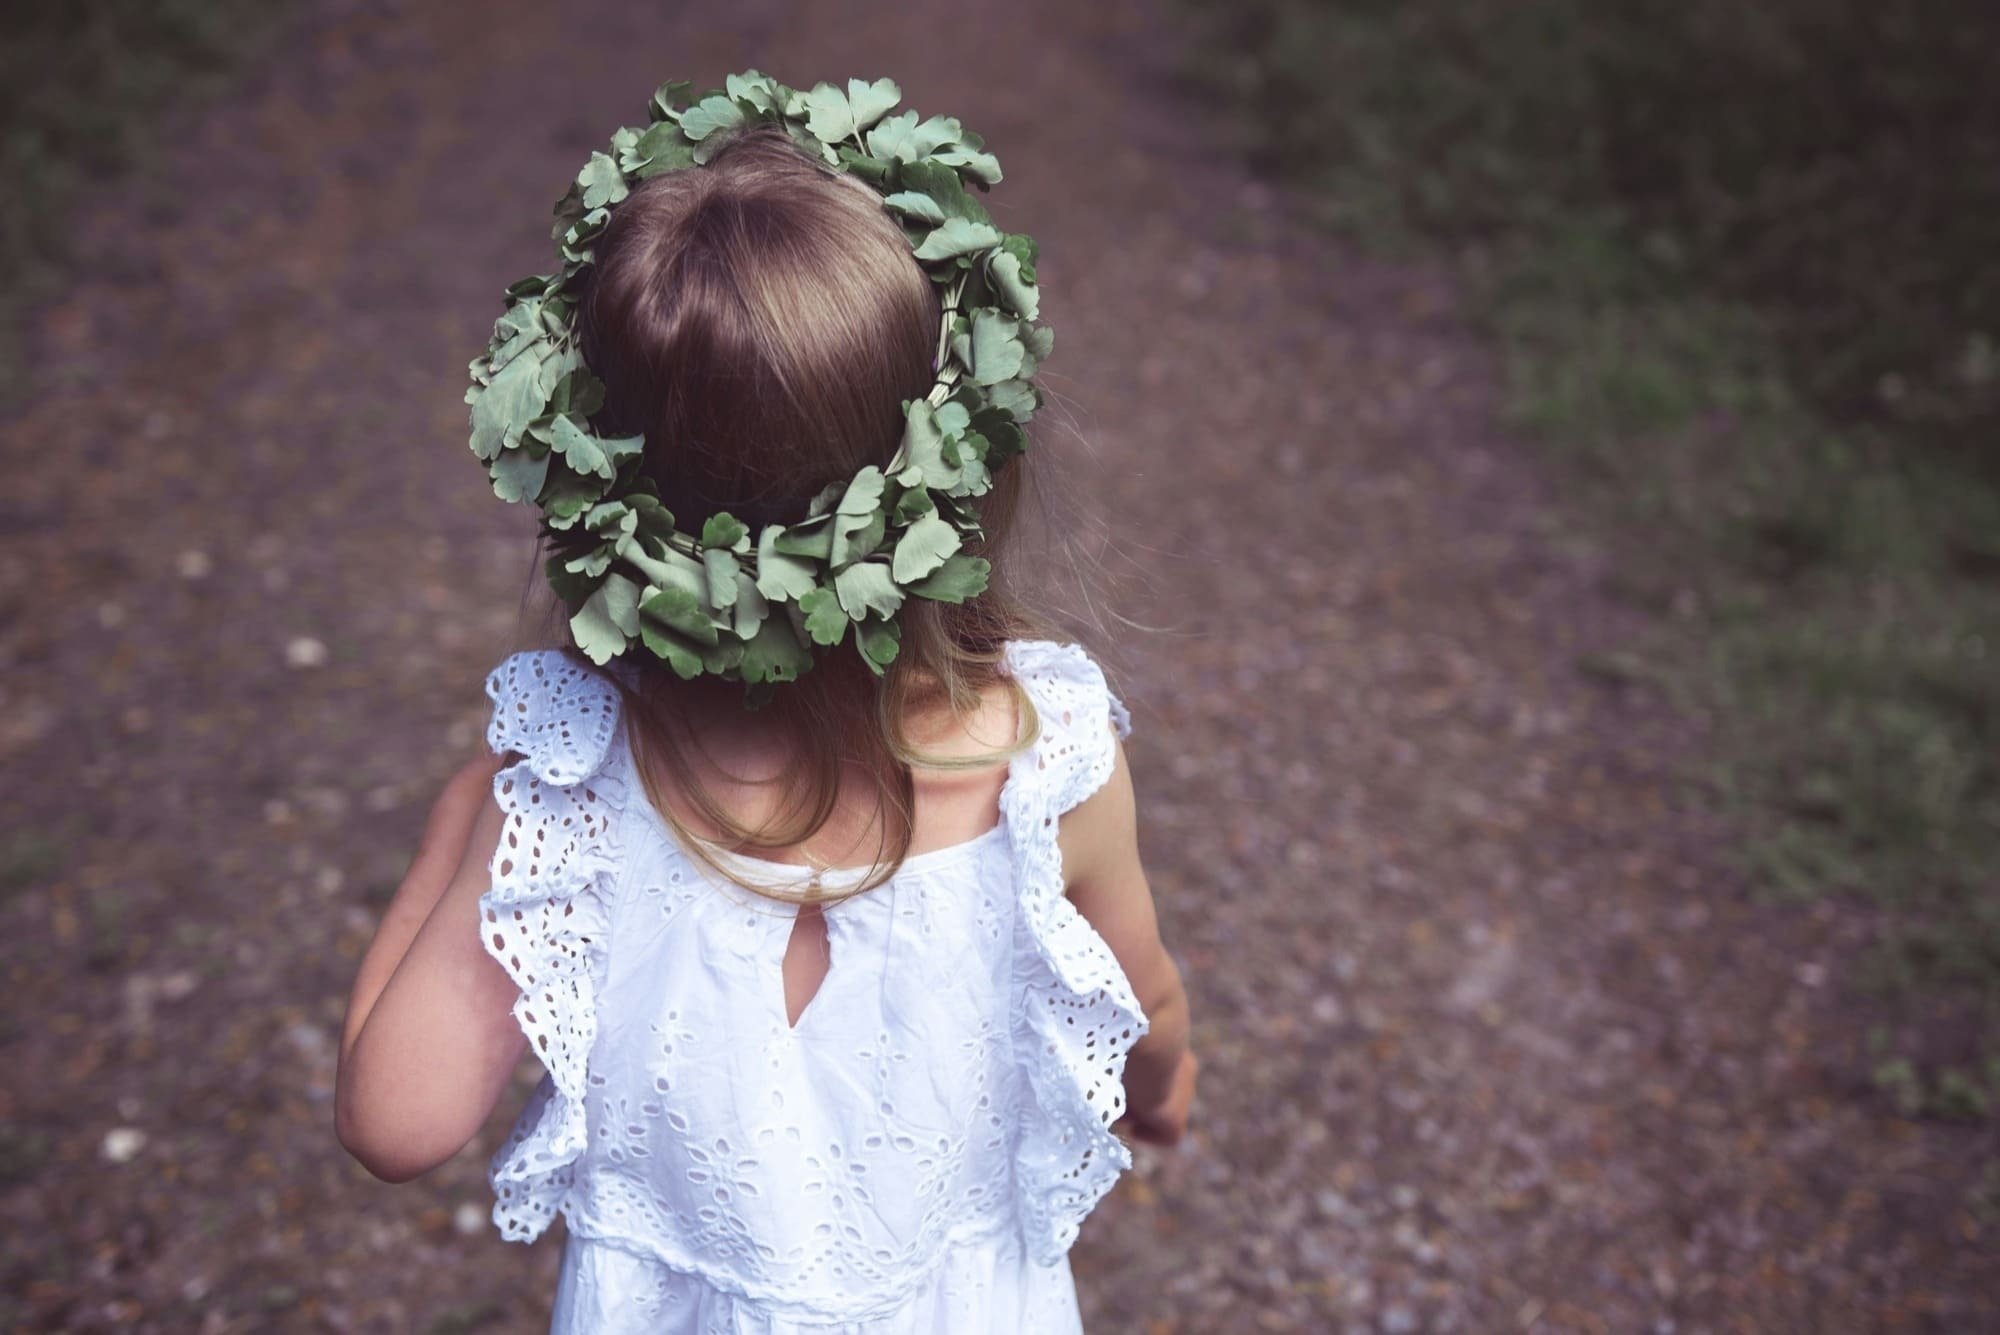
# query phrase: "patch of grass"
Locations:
[[1676, 222], [85, 92], [28, 858]]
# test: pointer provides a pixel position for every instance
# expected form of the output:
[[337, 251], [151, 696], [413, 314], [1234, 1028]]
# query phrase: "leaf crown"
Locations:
[[755, 607]]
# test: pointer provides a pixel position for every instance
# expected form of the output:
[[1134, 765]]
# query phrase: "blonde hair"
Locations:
[[760, 320]]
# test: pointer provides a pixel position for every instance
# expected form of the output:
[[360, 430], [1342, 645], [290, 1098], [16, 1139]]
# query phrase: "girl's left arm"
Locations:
[[430, 1038]]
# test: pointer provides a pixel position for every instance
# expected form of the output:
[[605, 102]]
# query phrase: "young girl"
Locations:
[[838, 997]]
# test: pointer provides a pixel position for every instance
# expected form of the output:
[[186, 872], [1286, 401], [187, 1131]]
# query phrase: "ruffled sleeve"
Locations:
[[545, 916], [1076, 1015]]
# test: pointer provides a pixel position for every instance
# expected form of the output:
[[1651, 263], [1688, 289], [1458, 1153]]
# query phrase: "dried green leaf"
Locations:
[[868, 587], [679, 610], [878, 642], [826, 622], [956, 237], [1003, 270], [608, 620], [775, 654], [781, 577], [502, 408], [917, 207], [991, 350], [870, 102], [712, 113], [828, 114], [923, 548], [959, 578], [601, 182], [518, 474], [725, 530], [722, 568]]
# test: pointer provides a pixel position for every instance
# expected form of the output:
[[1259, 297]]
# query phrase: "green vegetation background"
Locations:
[[85, 91], [1740, 262]]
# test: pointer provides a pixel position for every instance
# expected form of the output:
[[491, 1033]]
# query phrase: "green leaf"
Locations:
[[679, 610], [959, 578], [856, 536], [828, 114], [924, 447], [566, 495], [518, 474], [923, 548], [814, 538], [519, 329], [608, 620], [781, 577], [601, 182], [867, 587], [878, 642], [573, 578], [952, 418], [957, 237], [775, 654], [663, 147], [895, 139], [749, 606], [914, 503], [580, 450], [502, 409], [759, 90], [594, 562], [1017, 398], [992, 350], [825, 621], [1003, 270], [671, 99], [874, 171], [712, 113], [1040, 341], [942, 184], [725, 530], [980, 166], [910, 204], [681, 654], [722, 568], [1004, 438], [864, 494], [870, 102]]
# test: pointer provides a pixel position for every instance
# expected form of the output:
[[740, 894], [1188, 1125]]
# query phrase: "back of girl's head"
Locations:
[[761, 321]]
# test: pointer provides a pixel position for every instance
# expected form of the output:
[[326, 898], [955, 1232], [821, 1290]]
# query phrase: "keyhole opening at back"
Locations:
[[807, 958]]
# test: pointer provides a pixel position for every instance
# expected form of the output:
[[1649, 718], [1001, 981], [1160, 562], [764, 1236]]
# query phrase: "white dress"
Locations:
[[914, 1157]]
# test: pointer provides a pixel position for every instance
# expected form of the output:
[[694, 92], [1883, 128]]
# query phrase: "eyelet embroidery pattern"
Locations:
[[1078, 1017], [543, 917], [681, 1127]]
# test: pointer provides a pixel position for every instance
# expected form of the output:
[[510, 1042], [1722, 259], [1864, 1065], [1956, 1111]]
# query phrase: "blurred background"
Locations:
[[1547, 458]]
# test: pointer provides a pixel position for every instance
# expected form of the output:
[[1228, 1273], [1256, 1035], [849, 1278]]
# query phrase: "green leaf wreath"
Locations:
[[757, 606]]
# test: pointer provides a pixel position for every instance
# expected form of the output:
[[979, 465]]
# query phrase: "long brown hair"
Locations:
[[760, 320]]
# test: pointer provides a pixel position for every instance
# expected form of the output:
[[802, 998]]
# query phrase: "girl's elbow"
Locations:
[[387, 1147]]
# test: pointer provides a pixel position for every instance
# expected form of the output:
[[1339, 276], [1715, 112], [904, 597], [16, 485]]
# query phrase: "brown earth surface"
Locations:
[[1489, 1042]]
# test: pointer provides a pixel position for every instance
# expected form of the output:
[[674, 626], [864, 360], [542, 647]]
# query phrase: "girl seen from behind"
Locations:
[[838, 996]]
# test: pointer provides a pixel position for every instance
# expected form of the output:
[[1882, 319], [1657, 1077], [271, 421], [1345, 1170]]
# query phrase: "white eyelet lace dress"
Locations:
[[914, 1158]]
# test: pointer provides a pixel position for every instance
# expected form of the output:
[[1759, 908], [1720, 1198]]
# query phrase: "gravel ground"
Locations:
[[1489, 1042]]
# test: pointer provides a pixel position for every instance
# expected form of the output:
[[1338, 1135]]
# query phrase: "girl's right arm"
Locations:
[[1099, 839]]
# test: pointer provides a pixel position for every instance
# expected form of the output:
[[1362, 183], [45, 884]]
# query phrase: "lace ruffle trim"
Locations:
[[544, 918], [1078, 1017]]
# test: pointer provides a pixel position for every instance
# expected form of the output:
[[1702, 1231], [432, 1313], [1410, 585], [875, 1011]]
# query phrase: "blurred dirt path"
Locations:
[[1489, 1044]]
